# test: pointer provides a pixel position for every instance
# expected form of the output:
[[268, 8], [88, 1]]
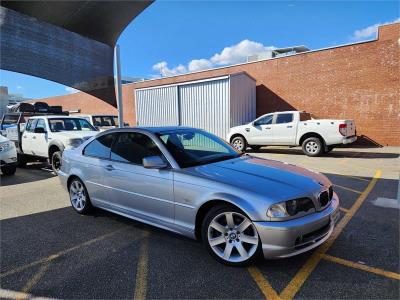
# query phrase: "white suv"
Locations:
[[45, 137], [8, 156]]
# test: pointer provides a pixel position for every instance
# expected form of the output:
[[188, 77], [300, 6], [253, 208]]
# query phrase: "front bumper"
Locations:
[[349, 140], [8, 157], [289, 238], [63, 177]]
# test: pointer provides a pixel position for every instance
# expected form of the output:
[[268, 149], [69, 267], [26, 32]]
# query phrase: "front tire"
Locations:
[[312, 146], [56, 161], [230, 236], [79, 197], [239, 143], [8, 170]]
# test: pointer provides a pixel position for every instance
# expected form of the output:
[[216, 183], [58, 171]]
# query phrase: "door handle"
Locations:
[[24, 136], [267, 128], [34, 137], [109, 168], [289, 126]]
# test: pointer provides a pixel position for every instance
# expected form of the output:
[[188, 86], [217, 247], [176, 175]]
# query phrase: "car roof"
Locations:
[[155, 129], [55, 117]]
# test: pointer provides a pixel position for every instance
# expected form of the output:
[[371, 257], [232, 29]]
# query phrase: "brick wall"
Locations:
[[359, 81]]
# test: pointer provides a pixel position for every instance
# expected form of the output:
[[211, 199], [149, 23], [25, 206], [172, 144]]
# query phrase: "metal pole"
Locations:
[[118, 86]]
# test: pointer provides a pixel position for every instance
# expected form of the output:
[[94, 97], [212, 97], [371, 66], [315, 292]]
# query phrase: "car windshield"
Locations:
[[70, 124], [191, 147]]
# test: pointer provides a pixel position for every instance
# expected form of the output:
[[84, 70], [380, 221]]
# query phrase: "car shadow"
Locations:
[[333, 153], [32, 172]]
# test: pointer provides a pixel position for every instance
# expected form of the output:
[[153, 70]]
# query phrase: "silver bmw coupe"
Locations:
[[193, 183]]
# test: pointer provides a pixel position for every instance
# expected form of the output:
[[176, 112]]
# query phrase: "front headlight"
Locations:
[[5, 146], [74, 142], [291, 208]]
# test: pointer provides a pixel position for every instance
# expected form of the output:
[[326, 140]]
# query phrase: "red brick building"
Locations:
[[358, 81]]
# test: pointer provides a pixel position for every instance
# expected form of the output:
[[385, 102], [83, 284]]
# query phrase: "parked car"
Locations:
[[8, 156], [191, 182], [101, 122], [293, 128], [46, 136]]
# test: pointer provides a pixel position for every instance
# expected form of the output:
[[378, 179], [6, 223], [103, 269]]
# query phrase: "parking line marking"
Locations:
[[35, 279], [142, 269], [345, 210], [263, 284], [358, 178], [298, 280], [9, 294], [348, 189], [354, 265], [58, 254]]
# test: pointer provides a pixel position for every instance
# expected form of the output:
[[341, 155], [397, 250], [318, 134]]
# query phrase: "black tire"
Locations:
[[253, 249], [21, 161], [255, 147], [239, 143], [56, 161], [8, 170], [312, 146], [86, 206]]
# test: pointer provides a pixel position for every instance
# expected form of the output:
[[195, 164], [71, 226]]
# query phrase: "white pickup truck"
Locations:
[[293, 128], [46, 136]]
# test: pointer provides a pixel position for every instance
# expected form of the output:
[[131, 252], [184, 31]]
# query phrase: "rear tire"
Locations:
[[8, 170], [56, 161], [312, 146], [239, 143], [230, 236], [79, 197], [21, 161]]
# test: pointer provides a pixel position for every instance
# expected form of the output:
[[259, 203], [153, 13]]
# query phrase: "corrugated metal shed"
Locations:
[[212, 104]]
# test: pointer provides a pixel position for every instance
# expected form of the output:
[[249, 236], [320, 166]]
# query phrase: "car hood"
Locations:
[[272, 178], [3, 139], [76, 134]]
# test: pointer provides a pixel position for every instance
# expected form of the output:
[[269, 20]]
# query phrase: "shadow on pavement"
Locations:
[[32, 172], [333, 153]]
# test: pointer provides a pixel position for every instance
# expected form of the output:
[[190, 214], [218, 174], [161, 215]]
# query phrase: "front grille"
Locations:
[[324, 198]]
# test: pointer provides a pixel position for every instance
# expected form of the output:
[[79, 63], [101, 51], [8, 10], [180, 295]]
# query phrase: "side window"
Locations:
[[100, 147], [41, 124], [30, 125], [96, 121], [267, 120], [132, 147], [284, 118]]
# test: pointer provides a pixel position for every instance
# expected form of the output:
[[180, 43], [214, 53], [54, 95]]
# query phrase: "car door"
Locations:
[[135, 190], [284, 129], [40, 139], [96, 158], [261, 131], [27, 140]]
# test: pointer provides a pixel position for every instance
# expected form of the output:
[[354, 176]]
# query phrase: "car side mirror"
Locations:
[[154, 162], [255, 123], [39, 130]]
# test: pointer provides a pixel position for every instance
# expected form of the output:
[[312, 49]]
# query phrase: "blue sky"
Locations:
[[173, 37]]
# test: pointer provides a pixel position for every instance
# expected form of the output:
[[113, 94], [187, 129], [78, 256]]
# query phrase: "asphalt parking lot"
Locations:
[[47, 250]]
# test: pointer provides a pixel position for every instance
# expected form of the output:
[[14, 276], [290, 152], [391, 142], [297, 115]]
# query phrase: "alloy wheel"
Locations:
[[77, 195], [233, 237], [312, 147], [238, 144]]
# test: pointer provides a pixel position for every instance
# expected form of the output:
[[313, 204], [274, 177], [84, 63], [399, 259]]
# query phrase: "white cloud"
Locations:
[[238, 53], [162, 68], [19, 87], [229, 55], [71, 90], [199, 64], [370, 31]]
